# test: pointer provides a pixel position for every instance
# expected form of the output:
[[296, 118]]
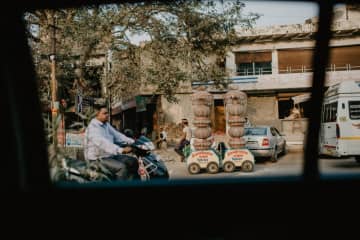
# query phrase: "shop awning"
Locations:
[[122, 106], [301, 98]]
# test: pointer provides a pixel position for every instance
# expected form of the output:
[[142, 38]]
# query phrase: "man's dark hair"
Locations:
[[98, 107]]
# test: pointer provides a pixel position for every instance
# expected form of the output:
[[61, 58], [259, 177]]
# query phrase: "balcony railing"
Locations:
[[302, 69], [253, 71], [331, 68], [346, 67]]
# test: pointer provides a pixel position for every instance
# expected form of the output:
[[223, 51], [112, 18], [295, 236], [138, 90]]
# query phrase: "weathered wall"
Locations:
[[263, 111], [174, 112]]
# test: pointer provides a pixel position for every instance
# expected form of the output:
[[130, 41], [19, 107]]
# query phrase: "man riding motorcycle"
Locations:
[[100, 143]]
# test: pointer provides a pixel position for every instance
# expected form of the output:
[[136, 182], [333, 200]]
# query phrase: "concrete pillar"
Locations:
[[230, 63], [275, 61]]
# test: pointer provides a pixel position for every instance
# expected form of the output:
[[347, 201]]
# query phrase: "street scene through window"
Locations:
[[192, 90], [339, 136]]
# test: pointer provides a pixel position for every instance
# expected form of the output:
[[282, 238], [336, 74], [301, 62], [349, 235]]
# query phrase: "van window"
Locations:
[[354, 109], [330, 112]]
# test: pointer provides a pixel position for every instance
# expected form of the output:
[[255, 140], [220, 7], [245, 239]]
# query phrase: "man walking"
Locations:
[[185, 138]]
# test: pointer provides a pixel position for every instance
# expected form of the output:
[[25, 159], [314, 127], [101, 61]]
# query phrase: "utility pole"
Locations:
[[54, 85]]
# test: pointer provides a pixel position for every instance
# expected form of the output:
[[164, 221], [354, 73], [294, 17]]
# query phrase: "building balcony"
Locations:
[[286, 81]]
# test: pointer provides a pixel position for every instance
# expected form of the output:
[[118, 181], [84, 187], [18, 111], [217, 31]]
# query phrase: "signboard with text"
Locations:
[[74, 139]]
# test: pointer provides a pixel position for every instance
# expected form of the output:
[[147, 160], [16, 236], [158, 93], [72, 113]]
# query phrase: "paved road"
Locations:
[[290, 164]]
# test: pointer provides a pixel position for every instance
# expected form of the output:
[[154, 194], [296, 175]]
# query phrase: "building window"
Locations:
[[295, 60], [344, 58], [285, 108], [253, 63], [287, 103]]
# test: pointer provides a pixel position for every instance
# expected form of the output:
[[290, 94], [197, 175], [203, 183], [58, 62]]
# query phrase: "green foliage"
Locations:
[[184, 35]]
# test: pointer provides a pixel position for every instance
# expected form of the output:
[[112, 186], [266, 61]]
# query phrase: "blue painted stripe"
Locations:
[[235, 80]]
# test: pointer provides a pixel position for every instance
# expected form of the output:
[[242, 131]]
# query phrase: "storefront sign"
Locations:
[[74, 139]]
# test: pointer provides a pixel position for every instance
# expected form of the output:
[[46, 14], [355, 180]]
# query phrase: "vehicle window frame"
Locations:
[[273, 132], [27, 146], [277, 131], [349, 105]]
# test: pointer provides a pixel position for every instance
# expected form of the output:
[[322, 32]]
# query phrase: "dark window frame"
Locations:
[[349, 105], [28, 168]]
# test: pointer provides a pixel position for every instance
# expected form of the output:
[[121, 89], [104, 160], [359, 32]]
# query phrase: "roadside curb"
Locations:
[[295, 147]]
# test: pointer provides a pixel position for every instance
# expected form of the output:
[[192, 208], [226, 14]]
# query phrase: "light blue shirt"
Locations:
[[100, 138]]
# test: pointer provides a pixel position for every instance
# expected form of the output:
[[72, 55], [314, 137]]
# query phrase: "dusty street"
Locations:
[[290, 164]]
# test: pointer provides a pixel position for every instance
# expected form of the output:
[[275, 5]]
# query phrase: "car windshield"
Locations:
[[255, 131]]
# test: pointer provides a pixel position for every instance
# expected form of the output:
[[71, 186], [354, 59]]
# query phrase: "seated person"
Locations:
[[99, 144], [162, 138]]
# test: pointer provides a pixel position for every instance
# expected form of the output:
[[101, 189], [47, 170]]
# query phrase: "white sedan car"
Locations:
[[265, 141]]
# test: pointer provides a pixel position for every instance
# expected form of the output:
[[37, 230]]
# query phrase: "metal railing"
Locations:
[[253, 71], [289, 69], [331, 68]]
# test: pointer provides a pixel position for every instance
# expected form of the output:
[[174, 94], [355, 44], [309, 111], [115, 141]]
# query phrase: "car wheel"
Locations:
[[229, 167], [212, 168], [194, 168], [247, 166], [274, 156], [357, 159]]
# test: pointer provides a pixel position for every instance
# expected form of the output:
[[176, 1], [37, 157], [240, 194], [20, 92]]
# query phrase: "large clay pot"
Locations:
[[201, 122], [232, 97], [202, 144], [236, 121], [236, 131], [202, 133], [235, 97], [202, 101], [202, 97], [201, 111], [236, 109], [237, 142]]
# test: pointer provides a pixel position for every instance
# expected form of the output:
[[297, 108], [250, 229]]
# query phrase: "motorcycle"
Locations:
[[150, 165], [74, 170]]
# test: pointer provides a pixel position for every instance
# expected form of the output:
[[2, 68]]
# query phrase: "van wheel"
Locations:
[[247, 166], [357, 159], [194, 168], [229, 167], [274, 157], [212, 168]]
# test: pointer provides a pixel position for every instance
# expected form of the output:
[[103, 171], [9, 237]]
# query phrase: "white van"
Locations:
[[340, 121]]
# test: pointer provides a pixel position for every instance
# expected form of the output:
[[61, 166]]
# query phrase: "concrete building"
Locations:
[[273, 66]]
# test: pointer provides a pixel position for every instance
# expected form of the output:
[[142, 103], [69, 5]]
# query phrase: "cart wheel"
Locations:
[[212, 168], [247, 166], [194, 168], [229, 167]]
